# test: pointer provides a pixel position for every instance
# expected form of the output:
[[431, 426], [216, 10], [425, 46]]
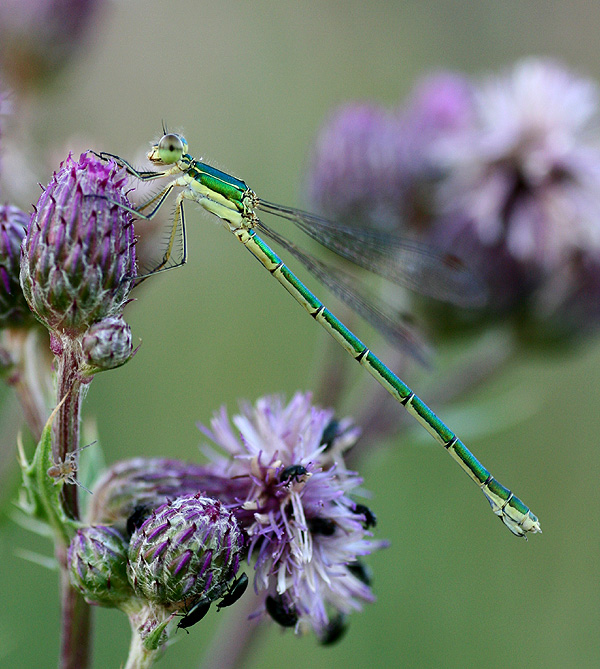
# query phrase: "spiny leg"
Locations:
[[178, 224], [159, 198]]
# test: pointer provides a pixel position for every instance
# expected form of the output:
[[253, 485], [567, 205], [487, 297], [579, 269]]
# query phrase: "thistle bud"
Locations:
[[97, 560], [78, 259], [188, 550], [107, 344], [14, 310]]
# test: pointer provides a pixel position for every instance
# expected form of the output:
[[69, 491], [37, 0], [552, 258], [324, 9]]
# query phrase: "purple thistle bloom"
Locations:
[[360, 167], [521, 193], [503, 173], [78, 258], [371, 166], [304, 530], [441, 103], [523, 172]]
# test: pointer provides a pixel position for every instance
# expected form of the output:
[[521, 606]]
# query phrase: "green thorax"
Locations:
[[224, 184]]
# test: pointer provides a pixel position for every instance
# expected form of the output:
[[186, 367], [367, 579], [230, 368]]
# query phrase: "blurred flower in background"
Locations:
[[503, 172], [14, 311], [38, 37]]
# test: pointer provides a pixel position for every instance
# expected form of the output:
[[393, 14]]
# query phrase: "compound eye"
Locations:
[[171, 148]]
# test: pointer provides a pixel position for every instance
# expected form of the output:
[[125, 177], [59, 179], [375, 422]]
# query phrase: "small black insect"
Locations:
[[295, 472], [323, 526], [195, 615], [360, 571], [234, 592], [330, 433], [370, 518], [335, 630], [281, 613], [137, 518]]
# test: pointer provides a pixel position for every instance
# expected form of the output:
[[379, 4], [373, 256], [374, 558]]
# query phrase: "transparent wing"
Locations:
[[395, 327], [402, 261]]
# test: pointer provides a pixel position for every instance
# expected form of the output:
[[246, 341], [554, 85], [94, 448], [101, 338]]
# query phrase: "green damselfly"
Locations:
[[400, 261]]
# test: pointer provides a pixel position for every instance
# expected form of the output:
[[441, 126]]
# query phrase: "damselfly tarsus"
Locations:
[[236, 205]]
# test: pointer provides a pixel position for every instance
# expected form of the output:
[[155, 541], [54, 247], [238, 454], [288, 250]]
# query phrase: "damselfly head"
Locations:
[[169, 149]]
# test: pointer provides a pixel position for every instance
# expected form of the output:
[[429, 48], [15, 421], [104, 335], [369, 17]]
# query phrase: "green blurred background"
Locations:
[[250, 83]]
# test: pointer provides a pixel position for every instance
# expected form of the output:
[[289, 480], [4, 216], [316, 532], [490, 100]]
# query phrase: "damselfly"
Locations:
[[400, 261]]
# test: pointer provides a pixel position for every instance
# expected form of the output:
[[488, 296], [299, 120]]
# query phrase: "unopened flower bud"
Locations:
[[97, 560], [107, 344], [78, 259], [188, 550]]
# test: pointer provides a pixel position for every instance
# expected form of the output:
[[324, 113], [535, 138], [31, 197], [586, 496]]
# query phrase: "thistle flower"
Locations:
[[78, 259], [360, 167], [371, 166], [305, 532], [284, 480], [521, 192], [14, 310], [503, 173], [187, 551], [97, 560]]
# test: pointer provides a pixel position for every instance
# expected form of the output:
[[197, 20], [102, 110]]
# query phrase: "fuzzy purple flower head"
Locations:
[[306, 535], [186, 550], [502, 173], [522, 171], [371, 166], [521, 193], [78, 256]]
